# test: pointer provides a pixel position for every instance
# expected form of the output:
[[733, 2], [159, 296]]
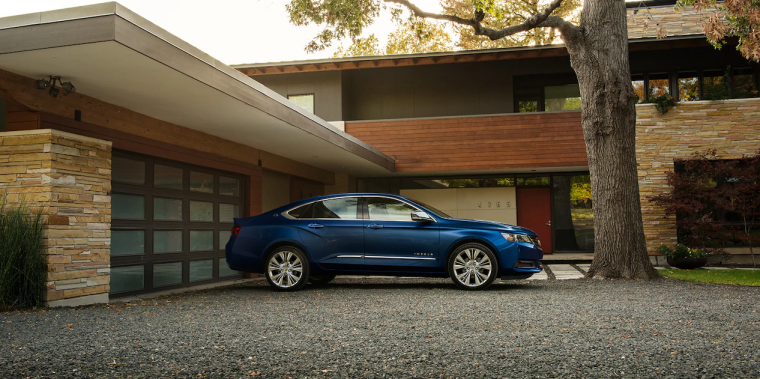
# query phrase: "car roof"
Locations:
[[363, 194]]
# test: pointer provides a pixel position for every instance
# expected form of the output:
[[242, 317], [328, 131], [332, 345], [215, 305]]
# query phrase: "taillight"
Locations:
[[235, 230]]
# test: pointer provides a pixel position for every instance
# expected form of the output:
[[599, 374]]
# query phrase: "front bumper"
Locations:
[[518, 260]]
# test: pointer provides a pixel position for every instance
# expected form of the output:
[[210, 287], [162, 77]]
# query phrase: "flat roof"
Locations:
[[462, 56], [112, 54]]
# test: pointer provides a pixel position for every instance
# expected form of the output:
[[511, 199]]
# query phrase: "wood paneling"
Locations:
[[20, 90], [303, 189], [478, 143], [18, 117]]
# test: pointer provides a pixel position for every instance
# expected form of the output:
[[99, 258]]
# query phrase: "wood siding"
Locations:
[[478, 143]]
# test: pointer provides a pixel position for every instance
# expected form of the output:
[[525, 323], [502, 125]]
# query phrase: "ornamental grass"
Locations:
[[22, 259]]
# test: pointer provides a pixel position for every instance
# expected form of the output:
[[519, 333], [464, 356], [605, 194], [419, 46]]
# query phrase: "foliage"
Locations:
[[663, 102], [704, 189], [580, 191], [410, 36], [508, 12], [681, 251], [22, 259], [731, 18], [735, 277], [347, 20]]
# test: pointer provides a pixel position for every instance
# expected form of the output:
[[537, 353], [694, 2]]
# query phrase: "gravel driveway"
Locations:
[[400, 328]]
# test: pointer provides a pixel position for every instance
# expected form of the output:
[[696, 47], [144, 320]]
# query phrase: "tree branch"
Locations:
[[541, 19]]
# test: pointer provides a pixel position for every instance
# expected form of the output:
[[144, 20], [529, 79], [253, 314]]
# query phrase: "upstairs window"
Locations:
[[304, 101], [562, 98], [688, 86], [714, 86], [659, 85]]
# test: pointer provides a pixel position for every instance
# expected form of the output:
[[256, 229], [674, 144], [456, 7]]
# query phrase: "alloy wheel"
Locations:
[[285, 269], [472, 267]]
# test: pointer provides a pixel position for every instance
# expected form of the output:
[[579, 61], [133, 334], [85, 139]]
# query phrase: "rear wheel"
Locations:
[[320, 280], [287, 268], [473, 266]]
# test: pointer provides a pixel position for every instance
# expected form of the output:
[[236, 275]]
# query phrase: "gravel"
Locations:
[[360, 327]]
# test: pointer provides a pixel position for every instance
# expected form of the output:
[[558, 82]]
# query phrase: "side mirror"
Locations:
[[421, 217]]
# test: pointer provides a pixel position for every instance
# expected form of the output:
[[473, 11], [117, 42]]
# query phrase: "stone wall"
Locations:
[[68, 177], [644, 22], [731, 127]]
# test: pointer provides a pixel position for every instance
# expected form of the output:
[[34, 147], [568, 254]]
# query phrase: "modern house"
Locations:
[[145, 149]]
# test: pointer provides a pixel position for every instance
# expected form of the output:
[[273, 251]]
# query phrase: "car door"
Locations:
[[333, 233], [393, 242]]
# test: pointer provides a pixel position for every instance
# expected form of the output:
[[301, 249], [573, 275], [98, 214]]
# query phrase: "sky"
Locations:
[[232, 31]]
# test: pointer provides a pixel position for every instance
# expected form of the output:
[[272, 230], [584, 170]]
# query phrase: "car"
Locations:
[[314, 240]]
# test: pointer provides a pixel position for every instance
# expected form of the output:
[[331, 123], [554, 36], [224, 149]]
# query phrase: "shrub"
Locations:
[[22, 259], [682, 251]]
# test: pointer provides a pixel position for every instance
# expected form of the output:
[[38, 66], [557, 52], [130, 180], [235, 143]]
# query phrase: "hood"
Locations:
[[482, 224]]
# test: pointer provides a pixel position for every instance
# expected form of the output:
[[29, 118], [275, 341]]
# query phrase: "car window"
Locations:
[[344, 208], [385, 209], [302, 211]]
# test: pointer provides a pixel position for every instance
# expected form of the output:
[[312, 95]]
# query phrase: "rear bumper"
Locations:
[[245, 254]]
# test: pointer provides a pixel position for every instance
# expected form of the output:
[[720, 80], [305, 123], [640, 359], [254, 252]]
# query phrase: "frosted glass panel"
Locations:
[[224, 237], [201, 270], [228, 211], [127, 206], [201, 240], [225, 270], [128, 278], [165, 274], [167, 241], [201, 211], [201, 182], [127, 171], [127, 242], [167, 177], [167, 209], [229, 186]]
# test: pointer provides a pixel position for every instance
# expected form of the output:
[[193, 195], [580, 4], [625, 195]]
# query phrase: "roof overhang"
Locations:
[[447, 57], [112, 54]]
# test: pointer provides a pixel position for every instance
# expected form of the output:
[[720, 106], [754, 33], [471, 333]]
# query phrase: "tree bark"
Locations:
[[599, 56]]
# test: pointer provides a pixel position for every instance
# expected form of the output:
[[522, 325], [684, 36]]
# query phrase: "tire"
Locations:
[[473, 267], [321, 279], [287, 268]]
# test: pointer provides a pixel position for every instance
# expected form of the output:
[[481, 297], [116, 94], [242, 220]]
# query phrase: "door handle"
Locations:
[[549, 223], [316, 226], [375, 226]]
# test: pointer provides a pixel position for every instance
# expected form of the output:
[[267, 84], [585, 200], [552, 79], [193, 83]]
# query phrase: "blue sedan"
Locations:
[[314, 240]]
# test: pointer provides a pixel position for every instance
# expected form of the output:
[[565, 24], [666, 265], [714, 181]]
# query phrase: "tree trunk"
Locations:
[[599, 56]]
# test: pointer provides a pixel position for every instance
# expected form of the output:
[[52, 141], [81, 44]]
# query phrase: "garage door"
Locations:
[[170, 222]]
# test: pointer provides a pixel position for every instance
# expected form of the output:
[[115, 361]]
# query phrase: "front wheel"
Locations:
[[287, 268], [473, 266]]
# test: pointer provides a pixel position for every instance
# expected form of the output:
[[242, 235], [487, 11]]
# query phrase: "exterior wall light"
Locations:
[[53, 92]]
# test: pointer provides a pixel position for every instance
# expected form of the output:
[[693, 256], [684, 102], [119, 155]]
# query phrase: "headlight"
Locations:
[[521, 238]]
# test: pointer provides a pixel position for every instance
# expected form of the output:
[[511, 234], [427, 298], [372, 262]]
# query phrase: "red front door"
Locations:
[[534, 212]]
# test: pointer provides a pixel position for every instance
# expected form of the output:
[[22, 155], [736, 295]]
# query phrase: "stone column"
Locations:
[[68, 178]]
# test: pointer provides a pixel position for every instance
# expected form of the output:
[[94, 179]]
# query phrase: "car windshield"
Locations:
[[433, 210]]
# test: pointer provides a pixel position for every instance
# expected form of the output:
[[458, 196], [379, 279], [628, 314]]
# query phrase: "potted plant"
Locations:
[[684, 257]]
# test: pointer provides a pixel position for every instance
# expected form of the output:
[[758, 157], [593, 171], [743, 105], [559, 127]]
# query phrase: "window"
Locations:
[[201, 182], [343, 208], [167, 177], [129, 278], [639, 88], [303, 211], [714, 85], [572, 213], [127, 242], [304, 101], [562, 98], [688, 86], [127, 206], [533, 181], [744, 83], [527, 106], [127, 170], [385, 209], [659, 85]]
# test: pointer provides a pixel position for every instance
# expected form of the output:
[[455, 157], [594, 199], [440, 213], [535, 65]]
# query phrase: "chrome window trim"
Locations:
[[287, 215], [385, 257]]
